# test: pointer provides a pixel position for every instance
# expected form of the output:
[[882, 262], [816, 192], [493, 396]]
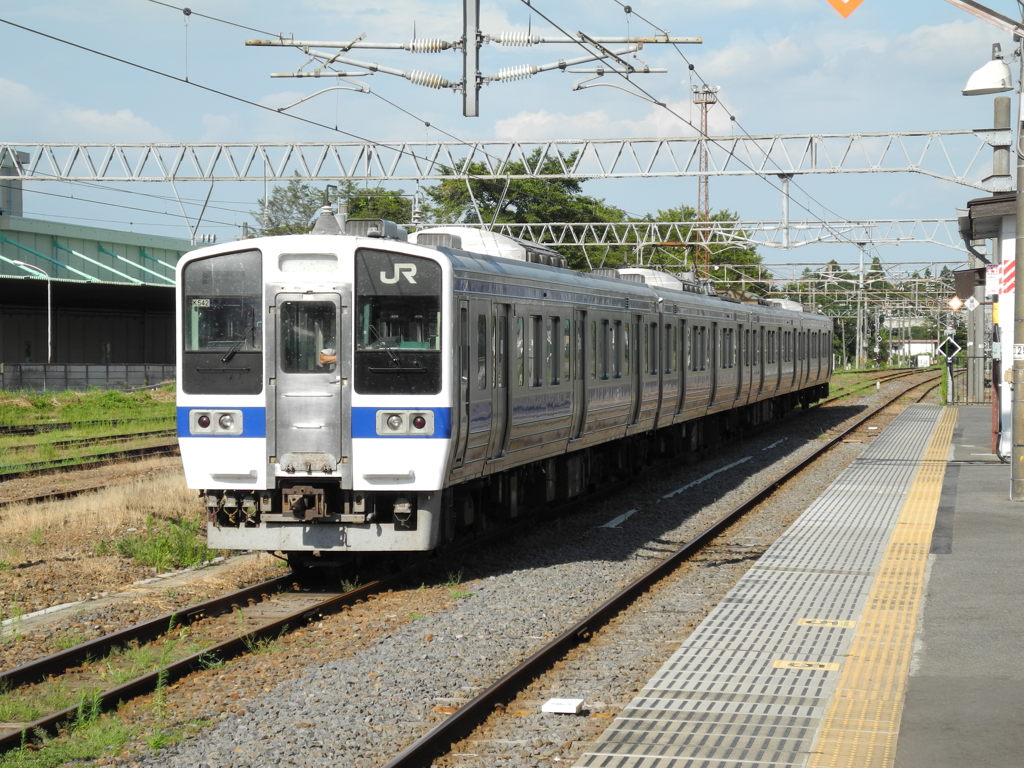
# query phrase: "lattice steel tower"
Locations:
[[704, 97]]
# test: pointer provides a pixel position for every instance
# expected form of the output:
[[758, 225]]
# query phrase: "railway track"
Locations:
[[37, 469], [217, 630], [307, 606], [460, 724]]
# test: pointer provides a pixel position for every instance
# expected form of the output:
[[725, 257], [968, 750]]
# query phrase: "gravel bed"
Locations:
[[360, 700]]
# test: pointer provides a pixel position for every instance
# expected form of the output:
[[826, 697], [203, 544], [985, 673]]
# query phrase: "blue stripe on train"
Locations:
[[364, 421], [254, 421]]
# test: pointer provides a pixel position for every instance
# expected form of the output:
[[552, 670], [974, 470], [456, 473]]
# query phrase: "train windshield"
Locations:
[[397, 324], [222, 324]]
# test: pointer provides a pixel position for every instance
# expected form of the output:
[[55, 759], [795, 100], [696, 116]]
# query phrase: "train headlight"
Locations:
[[206, 422], [412, 423]]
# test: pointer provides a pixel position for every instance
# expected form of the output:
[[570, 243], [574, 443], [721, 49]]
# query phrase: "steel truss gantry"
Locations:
[[958, 156], [767, 234]]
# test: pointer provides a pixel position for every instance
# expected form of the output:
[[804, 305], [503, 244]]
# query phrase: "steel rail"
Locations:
[[149, 681], [458, 725], [96, 460]]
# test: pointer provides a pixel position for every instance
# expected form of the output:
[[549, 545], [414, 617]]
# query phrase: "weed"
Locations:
[[260, 645], [210, 661], [167, 545], [36, 537], [453, 584], [69, 640]]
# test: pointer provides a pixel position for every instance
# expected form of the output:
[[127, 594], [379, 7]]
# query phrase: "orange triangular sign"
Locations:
[[845, 7]]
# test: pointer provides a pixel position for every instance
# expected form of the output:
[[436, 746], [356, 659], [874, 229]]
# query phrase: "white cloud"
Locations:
[[122, 125], [25, 112]]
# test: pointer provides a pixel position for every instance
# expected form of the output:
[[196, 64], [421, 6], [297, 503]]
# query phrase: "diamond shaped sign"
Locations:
[[949, 348], [971, 303], [954, 303], [845, 7]]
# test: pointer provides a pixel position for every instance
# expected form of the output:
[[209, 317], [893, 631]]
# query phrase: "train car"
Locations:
[[369, 392]]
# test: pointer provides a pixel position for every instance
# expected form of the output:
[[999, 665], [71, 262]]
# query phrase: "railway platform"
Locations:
[[883, 629]]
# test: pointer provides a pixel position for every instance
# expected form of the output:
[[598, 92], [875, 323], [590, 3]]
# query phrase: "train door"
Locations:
[[580, 365], [461, 409], [308, 391], [499, 383]]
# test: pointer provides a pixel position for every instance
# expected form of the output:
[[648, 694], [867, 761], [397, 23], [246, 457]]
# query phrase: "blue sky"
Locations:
[[783, 66]]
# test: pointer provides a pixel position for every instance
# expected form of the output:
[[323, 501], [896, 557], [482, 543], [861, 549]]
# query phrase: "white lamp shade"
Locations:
[[994, 77]]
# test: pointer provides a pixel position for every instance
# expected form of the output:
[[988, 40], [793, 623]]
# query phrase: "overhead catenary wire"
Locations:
[[531, 4]]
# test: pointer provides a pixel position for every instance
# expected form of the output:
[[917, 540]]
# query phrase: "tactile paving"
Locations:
[[753, 683]]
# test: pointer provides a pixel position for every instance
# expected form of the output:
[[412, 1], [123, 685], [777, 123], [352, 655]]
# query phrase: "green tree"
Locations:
[[522, 201], [292, 208], [725, 247]]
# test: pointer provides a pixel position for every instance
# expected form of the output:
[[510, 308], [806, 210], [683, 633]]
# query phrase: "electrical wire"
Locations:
[[663, 105]]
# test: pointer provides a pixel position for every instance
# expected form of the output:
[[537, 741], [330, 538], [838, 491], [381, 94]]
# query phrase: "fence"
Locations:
[[57, 377], [957, 380]]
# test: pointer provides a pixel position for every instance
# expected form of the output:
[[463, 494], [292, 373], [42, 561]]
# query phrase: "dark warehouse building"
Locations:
[[83, 306]]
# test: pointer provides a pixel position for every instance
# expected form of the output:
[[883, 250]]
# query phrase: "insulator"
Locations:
[[428, 45], [428, 79], [521, 72], [516, 38]]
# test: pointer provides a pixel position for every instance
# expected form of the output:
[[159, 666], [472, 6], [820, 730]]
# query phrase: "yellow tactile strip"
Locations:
[[862, 721]]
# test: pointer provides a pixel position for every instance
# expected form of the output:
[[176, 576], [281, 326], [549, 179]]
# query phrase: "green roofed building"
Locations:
[[76, 297]]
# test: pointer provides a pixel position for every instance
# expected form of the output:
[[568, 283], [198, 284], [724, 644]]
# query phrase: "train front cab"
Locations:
[[335, 401]]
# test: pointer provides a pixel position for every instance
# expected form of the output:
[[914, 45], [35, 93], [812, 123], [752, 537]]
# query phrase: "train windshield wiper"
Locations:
[[250, 331], [386, 347]]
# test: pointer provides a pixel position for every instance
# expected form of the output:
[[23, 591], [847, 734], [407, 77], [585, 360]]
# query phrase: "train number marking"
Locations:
[[408, 271]]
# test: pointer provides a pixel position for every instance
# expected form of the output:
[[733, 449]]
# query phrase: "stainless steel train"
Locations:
[[371, 392]]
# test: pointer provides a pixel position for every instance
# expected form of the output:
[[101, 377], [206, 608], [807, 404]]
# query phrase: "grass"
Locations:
[[89, 415], [34, 408], [165, 545], [454, 583]]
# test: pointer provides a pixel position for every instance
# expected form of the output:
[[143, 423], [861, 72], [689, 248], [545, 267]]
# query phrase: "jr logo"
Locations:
[[408, 270]]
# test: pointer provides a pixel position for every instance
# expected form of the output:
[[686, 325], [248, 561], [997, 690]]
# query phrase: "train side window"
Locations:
[[481, 351], [618, 341], [566, 349], [605, 347], [622, 360], [499, 330], [535, 353], [552, 349], [520, 353], [593, 349], [651, 348]]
